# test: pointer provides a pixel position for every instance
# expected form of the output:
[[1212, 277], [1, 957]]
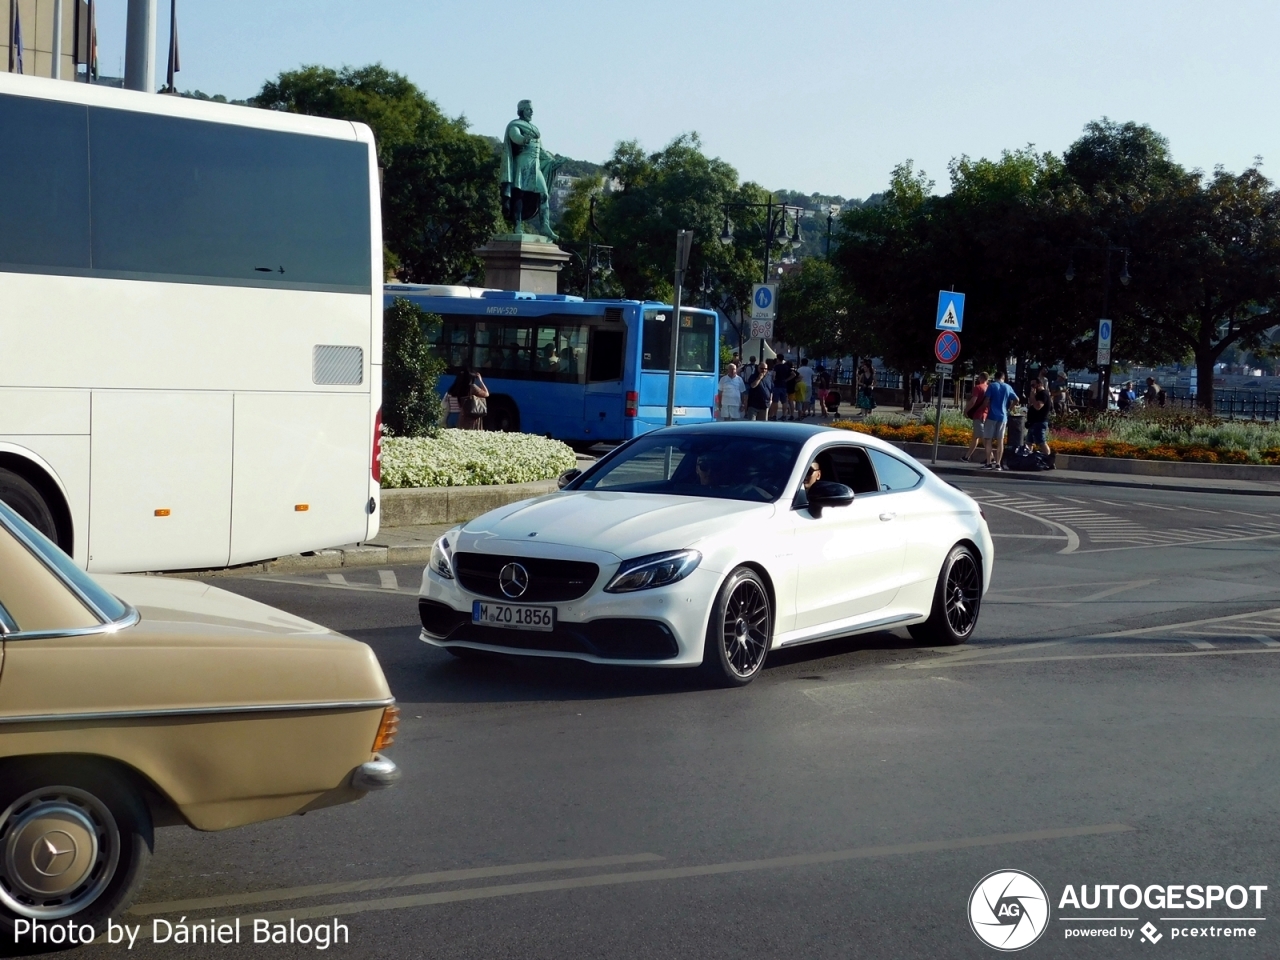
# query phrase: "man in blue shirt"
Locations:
[[1000, 397]]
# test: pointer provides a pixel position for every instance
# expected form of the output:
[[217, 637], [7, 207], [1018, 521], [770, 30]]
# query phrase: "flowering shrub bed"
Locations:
[[465, 458], [1150, 435]]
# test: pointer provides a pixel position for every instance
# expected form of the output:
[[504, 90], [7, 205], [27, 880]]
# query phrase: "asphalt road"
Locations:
[[1114, 721]]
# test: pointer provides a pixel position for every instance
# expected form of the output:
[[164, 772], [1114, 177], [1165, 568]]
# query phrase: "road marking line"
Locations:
[[388, 580], [1186, 543], [1030, 536], [1202, 644], [681, 873], [383, 883], [337, 578], [325, 585], [1101, 656], [1176, 627], [1152, 506], [1073, 539], [1264, 640], [971, 654]]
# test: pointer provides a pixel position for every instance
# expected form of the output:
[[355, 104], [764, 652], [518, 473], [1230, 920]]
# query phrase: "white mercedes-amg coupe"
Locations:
[[708, 546]]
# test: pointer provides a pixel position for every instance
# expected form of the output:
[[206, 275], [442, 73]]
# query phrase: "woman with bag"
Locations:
[[471, 394]]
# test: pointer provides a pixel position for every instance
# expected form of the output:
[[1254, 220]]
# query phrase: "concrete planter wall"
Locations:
[[1116, 465], [422, 505]]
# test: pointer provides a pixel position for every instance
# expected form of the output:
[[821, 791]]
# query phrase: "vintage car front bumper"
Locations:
[[376, 774]]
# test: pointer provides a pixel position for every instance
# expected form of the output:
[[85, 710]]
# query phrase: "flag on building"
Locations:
[[86, 45], [174, 64], [15, 42]]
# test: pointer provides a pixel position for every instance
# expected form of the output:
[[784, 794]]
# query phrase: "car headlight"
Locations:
[[441, 562], [655, 570]]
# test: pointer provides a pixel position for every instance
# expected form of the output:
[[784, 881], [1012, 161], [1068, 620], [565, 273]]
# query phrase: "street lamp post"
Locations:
[[775, 226], [1104, 370]]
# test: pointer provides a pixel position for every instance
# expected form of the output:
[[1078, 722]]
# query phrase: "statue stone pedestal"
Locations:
[[525, 262]]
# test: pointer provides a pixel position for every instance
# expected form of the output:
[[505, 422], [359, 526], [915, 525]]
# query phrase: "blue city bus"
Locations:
[[583, 371]]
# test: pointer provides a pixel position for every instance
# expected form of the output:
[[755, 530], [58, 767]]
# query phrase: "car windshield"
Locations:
[[708, 465]]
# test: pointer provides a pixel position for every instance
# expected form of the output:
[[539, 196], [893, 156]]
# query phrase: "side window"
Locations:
[[44, 191], [605, 358], [893, 473], [850, 466], [219, 202]]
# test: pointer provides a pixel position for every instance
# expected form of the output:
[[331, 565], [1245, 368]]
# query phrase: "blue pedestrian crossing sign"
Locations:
[[950, 311]]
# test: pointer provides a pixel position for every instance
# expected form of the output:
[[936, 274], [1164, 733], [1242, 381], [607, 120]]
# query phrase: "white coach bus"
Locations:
[[190, 326]]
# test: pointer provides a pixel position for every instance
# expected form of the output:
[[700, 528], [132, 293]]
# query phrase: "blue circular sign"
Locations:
[[764, 297], [1104, 331], [947, 347]]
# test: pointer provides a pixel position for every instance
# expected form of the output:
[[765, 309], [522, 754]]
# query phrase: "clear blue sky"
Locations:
[[813, 95]]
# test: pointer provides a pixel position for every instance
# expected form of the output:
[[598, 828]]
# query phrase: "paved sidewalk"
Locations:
[[1248, 487]]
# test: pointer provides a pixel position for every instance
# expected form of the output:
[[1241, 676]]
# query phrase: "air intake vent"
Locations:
[[613, 313], [332, 364]]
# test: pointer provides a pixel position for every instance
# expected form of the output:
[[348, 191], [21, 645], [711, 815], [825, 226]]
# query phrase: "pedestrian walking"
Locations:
[[804, 388], [866, 387], [471, 394], [782, 373], [1000, 397], [731, 398], [976, 410], [917, 387], [1153, 396]]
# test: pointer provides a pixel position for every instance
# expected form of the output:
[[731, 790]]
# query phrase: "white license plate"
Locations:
[[679, 412], [513, 617]]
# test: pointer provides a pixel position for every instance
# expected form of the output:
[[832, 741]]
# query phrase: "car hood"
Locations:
[[176, 601], [622, 524]]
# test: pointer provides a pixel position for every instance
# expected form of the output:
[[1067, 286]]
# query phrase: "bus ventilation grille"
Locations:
[[334, 364], [613, 313]]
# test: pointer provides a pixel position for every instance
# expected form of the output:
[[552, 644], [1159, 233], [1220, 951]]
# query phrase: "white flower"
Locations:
[[464, 458]]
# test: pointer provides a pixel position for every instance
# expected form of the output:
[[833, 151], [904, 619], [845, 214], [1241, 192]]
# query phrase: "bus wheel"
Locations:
[[503, 415], [27, 503]]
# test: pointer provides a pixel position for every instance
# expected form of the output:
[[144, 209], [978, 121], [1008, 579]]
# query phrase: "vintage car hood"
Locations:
[[622, 524], [196, 648], [171, 600]]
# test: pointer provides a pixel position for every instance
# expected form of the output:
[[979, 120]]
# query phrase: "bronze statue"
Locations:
[[525, 174]]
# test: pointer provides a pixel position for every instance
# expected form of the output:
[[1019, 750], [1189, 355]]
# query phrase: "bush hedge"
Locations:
[[465, 458]]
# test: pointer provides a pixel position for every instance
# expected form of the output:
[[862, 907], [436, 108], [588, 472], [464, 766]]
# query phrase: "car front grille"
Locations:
[[550, 581]]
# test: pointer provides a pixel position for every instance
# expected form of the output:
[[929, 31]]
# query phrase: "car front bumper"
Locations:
[[662, 627]]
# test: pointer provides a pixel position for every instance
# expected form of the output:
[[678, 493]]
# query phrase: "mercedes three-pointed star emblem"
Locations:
[[53, 854], [513, 580]]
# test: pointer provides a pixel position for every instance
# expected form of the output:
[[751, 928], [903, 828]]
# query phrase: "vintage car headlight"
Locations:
[[441, 562], [655, 570]]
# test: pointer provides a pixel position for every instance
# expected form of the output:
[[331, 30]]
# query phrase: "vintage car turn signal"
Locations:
[[302, 507], [162, 512], [387, 729]]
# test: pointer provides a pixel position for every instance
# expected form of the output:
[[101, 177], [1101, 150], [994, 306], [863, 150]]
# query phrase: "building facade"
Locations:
[[36, 19]]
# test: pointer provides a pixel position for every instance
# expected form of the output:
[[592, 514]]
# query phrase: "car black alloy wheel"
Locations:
[[957, 599], [963, 594], [74, 843], [741, 630]]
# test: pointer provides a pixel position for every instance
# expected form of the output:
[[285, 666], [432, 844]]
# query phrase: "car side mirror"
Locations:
[[567, 478], [827, 493]]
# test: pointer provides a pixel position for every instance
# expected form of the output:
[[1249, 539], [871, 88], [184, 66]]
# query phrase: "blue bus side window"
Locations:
[[606, 355]]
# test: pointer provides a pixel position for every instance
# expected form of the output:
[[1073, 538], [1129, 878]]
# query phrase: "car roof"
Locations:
[[796, 432]]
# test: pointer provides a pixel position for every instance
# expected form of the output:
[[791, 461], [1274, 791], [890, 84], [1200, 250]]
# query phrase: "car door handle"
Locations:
[[888, 516]]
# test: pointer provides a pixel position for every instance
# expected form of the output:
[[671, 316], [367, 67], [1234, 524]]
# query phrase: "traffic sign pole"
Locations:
[[946, 348]]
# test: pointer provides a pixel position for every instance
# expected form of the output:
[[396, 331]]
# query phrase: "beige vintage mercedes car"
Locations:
[[128, 703]]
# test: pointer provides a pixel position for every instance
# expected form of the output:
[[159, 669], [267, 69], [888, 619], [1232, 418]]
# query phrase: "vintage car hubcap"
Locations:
[[58, 851]]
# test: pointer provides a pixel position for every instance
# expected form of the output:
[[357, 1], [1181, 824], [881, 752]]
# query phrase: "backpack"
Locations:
[[1026, 459]]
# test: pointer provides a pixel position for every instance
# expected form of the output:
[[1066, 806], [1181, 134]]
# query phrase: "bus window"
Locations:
[[44, 192], [606, 357], [697, 341], [180, 198]]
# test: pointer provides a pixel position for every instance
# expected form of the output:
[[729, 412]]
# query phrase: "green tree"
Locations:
[[678, 187], [411, 407], [1214, 260], [439, 189], [813, 310]]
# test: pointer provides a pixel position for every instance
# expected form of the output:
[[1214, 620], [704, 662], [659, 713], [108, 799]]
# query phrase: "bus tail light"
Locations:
[[375, 467], [633, 404]]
